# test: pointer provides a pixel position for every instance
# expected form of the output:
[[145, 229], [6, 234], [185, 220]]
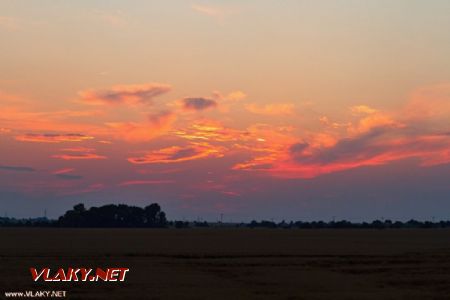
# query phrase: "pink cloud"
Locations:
[[80, 153], [145, 182], [63, 171], [176, 154], [155, 126], [124, 94], [79, 156], [53, 137]]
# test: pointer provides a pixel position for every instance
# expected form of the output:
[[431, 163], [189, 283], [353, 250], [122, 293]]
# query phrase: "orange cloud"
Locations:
[[379, 146], [363, 109], [176, 154], [162, 119], [232, 96], [210, 130], [105, 142], [324, 120], [228, 100], [371, 121], [156, 126], [4, 130], [281, 109], [375, 137], [268, 144], [78, 156], [53, 137], [365, 136], [78, 149], [364, 118], [19, 117], [322, 140], [124, 94], [20, 114], [79, 153], [270, 137]]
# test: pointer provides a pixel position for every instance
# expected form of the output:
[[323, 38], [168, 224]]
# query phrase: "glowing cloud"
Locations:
[[21, 116], [373, 120], [65, 174], [156, 126], [77, 156], [178, 154], [373, 137], [210, 130], [145, 182], [271, 109], [78, 149], [95, 187], [233, 96], [80, 153], [379, 146], [124, 94], [53, 137], [365, 136], [63, 171], [362, 109]]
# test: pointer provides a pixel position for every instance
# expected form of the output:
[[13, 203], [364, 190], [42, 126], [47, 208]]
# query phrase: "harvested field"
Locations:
[[234, 263]]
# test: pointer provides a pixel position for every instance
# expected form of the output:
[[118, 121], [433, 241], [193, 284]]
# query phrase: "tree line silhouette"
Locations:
[[151, 216], [114, 216], [110, 215]]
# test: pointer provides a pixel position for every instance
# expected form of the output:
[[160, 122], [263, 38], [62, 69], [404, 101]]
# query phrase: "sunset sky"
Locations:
[[299, 109]]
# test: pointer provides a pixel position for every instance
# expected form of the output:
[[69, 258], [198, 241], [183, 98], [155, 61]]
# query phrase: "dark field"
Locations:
[[235, 263]]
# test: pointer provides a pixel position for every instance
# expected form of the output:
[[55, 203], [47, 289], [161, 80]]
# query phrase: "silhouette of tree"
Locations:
[[79, 208], [181, 224], [112, 215], [154, 217]]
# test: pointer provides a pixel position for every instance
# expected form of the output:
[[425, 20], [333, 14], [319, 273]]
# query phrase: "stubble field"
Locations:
[[234, 263]]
